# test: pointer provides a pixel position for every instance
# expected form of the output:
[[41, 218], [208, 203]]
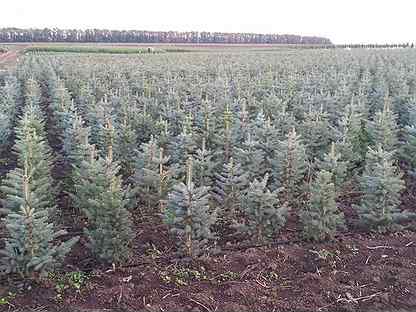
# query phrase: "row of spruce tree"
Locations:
[[220, 160]]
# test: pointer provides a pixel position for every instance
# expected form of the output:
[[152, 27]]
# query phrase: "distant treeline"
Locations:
[[105, 50], [373, 46], [142, 36]]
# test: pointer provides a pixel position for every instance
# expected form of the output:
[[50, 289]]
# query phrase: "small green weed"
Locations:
[[183, 276], [228, 276], [6, 300], [68, 281]]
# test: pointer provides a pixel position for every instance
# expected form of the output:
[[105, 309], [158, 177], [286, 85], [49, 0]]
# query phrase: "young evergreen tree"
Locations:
[[381, 184], [76, 145], [32, 94], [236, 129], [263, 212], [61, 107], [84, 96], [29, 201], [99, 194], [204, 166], [207, 121], [283, 119], [354, 140], [225, 136], [32, 100], [99, 120], [322, 217], [384, 129], [32, 151], [228, 191], [289, 168], [267, 136], [407, 151], [153, 176], [32, 243], [251, 157], [189, 216], [316, 133], [125, 143], [5, 131], [181, 147], [9, 101], [332, 162], [164, 133]]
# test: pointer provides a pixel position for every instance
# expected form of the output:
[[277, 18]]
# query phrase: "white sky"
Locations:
[[343, 21]]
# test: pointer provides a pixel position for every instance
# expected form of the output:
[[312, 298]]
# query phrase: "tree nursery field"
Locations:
[[221, 180]]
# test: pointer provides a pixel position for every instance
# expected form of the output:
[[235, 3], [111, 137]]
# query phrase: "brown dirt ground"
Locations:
[[10, 58], [355, 272], [7, 58]]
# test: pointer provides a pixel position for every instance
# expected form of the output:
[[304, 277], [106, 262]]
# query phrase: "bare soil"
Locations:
[[7, 58], [355, 272], [10, 57]]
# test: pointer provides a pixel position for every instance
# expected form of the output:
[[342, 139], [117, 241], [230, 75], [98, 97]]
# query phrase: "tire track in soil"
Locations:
[[10, 57]]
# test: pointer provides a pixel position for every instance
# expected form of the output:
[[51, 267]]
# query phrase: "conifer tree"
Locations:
[[181, 147], [316, 133], [108, 135], [99, 194], [98, 118], [384, 128], [61, 106], [321, 217], [84, 97], [332, 162], [153, 176], [267, 136], [207, 122], [5, 130], [225, 135], [30, 199], [251, 157], [125, 143], [237, 128], [189, 216], [354, 140], [76, 145], [204, 166], [289, 168], [32, 100], [228, 191], [9, 98], [32, 94], [263, 212], [283, 119], [164, 133], [32, 151], [31, 241], [381, 184], [407, 151]]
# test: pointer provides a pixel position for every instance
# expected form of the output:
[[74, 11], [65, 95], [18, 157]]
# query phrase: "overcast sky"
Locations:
[[342, 21]]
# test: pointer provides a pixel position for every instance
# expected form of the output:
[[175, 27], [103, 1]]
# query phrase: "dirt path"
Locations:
[[10, 58]]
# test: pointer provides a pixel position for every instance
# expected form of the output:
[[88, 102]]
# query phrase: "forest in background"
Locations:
[[143, 36]]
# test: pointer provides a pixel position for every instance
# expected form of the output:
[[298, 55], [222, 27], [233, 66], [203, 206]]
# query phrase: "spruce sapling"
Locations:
[[31, 245], [289, 168], [322, 217], [381, 184], [229, 189], [263, 212], [189, 216]]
